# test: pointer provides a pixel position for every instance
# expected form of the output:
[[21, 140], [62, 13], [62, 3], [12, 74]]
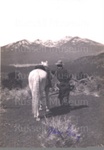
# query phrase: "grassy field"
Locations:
[[81, 125]]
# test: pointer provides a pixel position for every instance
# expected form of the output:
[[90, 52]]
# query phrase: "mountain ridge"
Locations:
[[56, 42], [69, 48]]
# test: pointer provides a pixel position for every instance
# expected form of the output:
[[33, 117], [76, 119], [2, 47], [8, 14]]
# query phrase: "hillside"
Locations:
[[89, 64]]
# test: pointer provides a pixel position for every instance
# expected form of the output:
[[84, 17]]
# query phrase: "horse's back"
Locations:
[[37, 75]]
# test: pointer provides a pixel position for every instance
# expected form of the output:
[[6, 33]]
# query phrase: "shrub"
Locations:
[[56, 133], [13, 81], [15, 98]]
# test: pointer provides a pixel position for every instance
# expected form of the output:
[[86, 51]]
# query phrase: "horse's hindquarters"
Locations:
[[39, 75], [37, 82]]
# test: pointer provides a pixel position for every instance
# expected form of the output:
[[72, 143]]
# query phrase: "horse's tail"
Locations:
[[35, 96]]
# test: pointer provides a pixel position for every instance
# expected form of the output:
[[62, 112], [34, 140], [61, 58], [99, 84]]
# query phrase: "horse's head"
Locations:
[[44, 63]]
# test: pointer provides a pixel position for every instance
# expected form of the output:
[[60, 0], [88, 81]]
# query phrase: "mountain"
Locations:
[[92, 65], [67, 49]]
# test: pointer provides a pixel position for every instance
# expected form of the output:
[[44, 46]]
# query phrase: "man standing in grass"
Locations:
[[63, 85]]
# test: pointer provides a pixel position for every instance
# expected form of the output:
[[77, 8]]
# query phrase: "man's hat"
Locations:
[[59, 63]]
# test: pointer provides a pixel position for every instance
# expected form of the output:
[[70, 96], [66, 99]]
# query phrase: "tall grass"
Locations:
[[89, 86], [55, 132], [14, 97]]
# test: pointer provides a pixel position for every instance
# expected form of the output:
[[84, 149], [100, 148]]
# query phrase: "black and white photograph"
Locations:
[[52, 73]]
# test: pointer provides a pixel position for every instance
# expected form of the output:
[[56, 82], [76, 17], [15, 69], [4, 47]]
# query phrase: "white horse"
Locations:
[[37, 82]]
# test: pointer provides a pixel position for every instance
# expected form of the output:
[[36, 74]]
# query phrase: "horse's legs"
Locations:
[[40, 106], [35, 109], [47, 99], [40, 100]]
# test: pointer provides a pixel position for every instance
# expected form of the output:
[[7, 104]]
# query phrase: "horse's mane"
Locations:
[[40, 66]]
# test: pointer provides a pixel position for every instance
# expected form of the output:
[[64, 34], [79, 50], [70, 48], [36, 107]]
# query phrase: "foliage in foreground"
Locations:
[[19, 97], [59, 132]]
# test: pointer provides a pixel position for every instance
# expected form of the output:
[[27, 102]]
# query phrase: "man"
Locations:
[[63, 78]]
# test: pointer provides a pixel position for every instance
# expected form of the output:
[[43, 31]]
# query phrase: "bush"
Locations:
[[15, 98], [13, 81], [55, 133], [92, 85]]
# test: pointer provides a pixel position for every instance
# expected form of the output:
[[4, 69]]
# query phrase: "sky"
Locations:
[[51, 20]]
